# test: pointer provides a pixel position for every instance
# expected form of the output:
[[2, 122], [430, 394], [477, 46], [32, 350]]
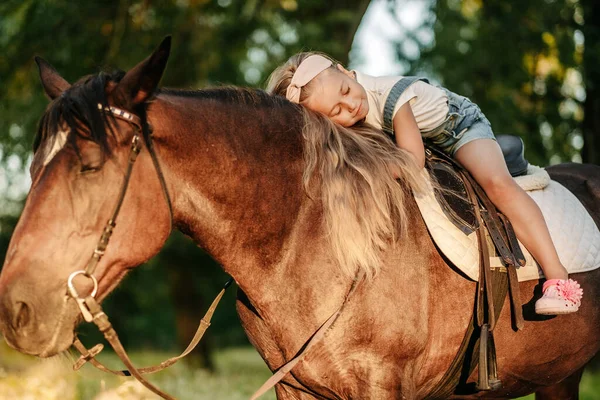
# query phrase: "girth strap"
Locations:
[[513, 279], [492, 286]]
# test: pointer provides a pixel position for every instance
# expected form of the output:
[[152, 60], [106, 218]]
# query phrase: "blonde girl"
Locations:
[[416, 112]]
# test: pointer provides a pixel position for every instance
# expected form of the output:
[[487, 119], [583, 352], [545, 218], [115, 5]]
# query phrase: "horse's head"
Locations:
[[80, 160]]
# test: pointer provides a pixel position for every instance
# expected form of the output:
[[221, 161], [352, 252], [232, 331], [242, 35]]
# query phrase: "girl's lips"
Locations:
[[357, 114]]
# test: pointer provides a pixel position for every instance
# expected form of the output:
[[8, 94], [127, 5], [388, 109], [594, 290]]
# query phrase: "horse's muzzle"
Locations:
[[25, 331]]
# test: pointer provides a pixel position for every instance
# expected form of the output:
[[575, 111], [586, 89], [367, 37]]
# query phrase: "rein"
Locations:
[[92, 311]]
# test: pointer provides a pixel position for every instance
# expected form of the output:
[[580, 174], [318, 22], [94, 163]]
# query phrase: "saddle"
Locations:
[[451, 192], [465, 204]]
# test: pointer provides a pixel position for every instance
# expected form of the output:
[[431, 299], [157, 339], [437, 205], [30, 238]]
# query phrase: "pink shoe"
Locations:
[[561, 296]]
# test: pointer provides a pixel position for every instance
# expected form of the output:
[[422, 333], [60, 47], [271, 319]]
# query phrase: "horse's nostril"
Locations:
[[22, 315]]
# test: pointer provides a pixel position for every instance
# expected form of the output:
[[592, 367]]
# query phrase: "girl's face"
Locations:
[[336, 94]]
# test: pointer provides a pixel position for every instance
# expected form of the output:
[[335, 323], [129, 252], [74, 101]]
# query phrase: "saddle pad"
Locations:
[[575, 235], [535, 179]]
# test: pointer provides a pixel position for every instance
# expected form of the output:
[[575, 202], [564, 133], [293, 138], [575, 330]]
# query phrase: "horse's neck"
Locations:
[[237, 192], [236, 187]]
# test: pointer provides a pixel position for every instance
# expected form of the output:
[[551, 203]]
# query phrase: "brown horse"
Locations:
[[233, 160]]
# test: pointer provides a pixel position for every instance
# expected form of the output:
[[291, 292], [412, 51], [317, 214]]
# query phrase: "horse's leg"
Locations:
[[568, 389]]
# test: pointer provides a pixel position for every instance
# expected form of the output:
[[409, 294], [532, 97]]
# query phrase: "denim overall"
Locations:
[[464, 123]]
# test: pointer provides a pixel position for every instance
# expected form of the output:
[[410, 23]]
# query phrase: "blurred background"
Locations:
[[531, 65]]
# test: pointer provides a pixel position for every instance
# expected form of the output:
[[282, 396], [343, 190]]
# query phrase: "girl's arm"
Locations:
[[408, 136]]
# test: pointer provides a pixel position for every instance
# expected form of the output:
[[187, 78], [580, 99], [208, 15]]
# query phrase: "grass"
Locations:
[[239, 372]]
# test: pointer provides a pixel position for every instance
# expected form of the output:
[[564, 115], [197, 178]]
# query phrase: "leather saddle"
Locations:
[[465, 203], [450, 190]]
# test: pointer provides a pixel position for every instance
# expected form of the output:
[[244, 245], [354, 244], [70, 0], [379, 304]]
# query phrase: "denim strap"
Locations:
[[393, 97]]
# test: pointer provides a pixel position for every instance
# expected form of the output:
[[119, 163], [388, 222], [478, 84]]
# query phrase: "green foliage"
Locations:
[[225, 41], [519, 61]]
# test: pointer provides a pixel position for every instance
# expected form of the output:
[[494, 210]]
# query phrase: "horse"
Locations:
[[241, 183]]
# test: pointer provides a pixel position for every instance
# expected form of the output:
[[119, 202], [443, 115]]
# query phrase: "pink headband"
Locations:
[[306, 72]]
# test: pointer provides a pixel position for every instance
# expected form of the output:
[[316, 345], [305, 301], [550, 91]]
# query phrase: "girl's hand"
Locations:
[[408, 136]]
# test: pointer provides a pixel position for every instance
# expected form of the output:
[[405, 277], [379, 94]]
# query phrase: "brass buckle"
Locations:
[[87, 315]]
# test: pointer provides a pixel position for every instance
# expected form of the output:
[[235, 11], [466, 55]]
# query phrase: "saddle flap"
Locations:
[[451, 194]]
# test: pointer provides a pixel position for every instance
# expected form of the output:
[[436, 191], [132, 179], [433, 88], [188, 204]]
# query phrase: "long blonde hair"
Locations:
[[364, 180]]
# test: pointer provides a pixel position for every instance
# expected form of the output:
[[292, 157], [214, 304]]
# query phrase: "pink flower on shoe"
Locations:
[[570, 290], [560, 296]]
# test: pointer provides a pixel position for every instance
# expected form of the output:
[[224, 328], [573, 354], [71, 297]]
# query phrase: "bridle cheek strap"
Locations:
[[135, 150], [89, 307]]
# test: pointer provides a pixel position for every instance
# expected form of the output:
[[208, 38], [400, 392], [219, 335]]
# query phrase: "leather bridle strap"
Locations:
[[110, 225], [104, 325], [90, 309], [316, 337], [107, 232], [88, 355], [134, 152]]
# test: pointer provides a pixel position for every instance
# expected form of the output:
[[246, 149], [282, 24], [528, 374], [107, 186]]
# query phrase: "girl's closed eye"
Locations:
[[344, 89]]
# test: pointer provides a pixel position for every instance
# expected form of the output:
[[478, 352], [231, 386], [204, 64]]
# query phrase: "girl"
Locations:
[[416, 112]]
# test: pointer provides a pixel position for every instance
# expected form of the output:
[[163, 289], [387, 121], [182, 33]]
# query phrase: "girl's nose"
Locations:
[[350, 104]]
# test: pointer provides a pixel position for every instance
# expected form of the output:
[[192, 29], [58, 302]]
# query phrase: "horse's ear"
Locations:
[[53, 83], [140, 82]]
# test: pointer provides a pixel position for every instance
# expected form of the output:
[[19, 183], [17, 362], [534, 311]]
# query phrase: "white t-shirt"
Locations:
[[429, 103]]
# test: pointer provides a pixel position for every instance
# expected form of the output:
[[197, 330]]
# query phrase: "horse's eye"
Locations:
[[88, 169], [91, 158]]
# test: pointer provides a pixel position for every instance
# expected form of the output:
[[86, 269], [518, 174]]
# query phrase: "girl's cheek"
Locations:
[[338, 120]]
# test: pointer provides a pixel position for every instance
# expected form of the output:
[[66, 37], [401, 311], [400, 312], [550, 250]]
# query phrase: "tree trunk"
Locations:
[[189, 306], [591, 78]]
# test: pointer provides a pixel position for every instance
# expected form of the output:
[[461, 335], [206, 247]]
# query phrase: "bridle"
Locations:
[[89, 307], [92, 311]]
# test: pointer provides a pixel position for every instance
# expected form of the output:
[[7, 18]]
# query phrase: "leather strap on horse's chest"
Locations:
[[390, 103], [315, 338]]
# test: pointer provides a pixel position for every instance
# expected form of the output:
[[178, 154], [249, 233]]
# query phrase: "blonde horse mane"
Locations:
[[364, 205]]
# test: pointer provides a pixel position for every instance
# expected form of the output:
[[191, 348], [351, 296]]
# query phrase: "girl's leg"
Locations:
[[484, 160]]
